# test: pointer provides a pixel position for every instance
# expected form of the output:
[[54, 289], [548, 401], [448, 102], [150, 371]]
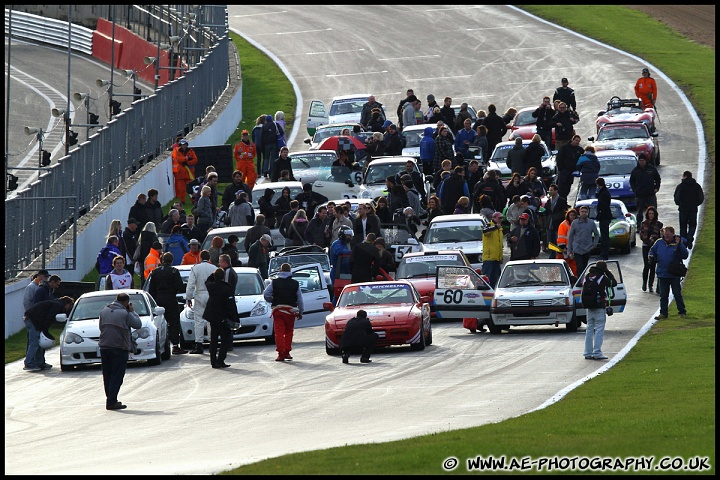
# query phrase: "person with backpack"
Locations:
[[594, 298]]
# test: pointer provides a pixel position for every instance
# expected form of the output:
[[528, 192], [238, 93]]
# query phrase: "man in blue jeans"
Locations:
[[664, 252], [38, 318], [596, 314]]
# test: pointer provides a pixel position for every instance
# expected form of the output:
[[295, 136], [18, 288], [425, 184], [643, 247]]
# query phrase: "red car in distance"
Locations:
[[524, 125], [397, 312], [626, 110]]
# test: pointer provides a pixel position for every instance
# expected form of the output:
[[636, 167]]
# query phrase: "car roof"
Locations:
[[309, 152], [623, 124], [391, 160], [228, 230], [419, 127], [457, 218], [593, 201], [386, 282], [348, 97], [537, 260], [276, 185], [433, 252]]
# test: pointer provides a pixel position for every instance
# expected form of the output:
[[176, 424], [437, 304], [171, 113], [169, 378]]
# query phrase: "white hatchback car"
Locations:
[[80, 336], [343, 109], [380, 168], [457, 232], [255, 319]]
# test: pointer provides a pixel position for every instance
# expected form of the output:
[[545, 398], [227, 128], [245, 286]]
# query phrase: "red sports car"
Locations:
[[524, 125], [626, 110], [399, 315], [633, 136]]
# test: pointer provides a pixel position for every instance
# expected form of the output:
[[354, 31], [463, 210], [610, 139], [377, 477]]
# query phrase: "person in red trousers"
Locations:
[[183, 166], [286, 299]]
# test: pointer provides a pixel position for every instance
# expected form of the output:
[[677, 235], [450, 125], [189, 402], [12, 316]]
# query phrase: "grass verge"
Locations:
[[660, 401]]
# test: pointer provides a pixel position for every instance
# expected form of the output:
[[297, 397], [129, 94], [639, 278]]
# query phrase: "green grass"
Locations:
[[660, 400]]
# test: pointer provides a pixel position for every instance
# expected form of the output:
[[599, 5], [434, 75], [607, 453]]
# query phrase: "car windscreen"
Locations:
[[249, 284], [379, 294], [207, 243], [624, 131], [424, 266], [500, 153], [349, 105], [90, 307], [311, 160], [377, 173], [454, 232], [413, 137], [617, 165], [533, 274], [617, 213], [298, 259], [294, 192], [525, 118], [395, 234]]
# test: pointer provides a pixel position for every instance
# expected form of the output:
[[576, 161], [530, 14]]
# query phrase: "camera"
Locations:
[[609, 311]]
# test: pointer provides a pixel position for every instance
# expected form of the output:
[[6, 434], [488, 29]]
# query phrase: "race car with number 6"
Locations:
[[397, 312]]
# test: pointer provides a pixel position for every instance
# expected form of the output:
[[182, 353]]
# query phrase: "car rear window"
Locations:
[[379, 294], [453, 232]]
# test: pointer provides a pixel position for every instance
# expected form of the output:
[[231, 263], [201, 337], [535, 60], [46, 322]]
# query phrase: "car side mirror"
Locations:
[[61, 318], [328, 306], [308, 141], [159, 311], [601, 113]]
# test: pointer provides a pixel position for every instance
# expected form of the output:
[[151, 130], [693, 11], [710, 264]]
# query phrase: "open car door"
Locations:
[[461, 293], [314, 291], [617, 296], [317, 115]]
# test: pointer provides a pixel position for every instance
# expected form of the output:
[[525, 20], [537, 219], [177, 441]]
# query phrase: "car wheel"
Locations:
[[625, 249], [657, 159], [572, 325], [66, 368], [421, 344], [429, 337], [168, 348], [270, 339], [158, 358], [494, 329], [332, 351]]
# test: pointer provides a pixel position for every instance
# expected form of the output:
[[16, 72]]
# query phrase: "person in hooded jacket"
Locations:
[[282, 162], [482, 142], [241, 213], [589, 167], [515, 159], [393, 143], [267, 208], [256, 135], [427, 150], [645, 183], [177, 245], [375, 124]]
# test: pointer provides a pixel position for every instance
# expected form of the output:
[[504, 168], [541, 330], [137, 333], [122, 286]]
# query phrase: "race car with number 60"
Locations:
[[397, 312]]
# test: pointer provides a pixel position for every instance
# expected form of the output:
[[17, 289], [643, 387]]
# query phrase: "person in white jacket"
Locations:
[[197, 291]]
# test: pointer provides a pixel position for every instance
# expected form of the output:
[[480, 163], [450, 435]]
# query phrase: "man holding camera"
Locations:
[[596, 314], [544, 113]]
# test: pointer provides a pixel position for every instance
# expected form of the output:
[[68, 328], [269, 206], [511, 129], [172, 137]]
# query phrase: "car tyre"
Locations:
[[158, 358], [572, 325], [421, 344], [66, 368], [429, 336], [168, 348], [494, 329], [625, 249], [270, 339], [332, 351]]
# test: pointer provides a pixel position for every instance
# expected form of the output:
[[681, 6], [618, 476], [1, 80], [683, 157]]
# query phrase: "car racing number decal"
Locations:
[[401, 250], [357, 177], [349, 195], [452, 296]]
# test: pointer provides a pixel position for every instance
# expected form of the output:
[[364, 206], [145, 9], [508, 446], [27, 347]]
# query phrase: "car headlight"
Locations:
[[365, 194], [500, 303], [143, 332], [560, 301], [619, 231], [262, 308], [73, 338]]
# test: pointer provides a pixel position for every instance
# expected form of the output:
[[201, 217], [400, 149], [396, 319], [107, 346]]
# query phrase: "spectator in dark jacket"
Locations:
[[645, 182], [393, 142], [688, 197], [496, 128], [589, 167], [563, 122], [138, 212], [515, 160], [267, 208], [38, 319], [318, 232], [534, 154], [46, 289], [256, 231], [524, 240], [310, 200], [452, 189], [492, 189], [603, 216], [153, 209], [230, 193], [566, 160], [283, 162]]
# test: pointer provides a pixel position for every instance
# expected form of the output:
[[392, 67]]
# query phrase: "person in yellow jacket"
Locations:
[[152, 261], [183, 166], [646, 89], [562, 239], [492, 256], [244, 152]]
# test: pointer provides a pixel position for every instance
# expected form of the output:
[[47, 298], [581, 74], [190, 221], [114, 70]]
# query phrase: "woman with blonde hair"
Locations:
[[461, 207], [205, 216], [534, 154], [298, 227], [147, 237]]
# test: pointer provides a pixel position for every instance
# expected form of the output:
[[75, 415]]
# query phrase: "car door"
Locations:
[[461, 293], [314, 292], [617, 297], [317, 115]]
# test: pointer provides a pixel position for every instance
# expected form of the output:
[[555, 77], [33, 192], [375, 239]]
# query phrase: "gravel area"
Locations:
[[697, 22]]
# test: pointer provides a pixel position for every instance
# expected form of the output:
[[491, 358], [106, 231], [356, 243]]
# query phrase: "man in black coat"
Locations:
[[544, 114], [496, 128], [563, 122], [524, 240], [555, 208], [38, 319], [688, 197], [365, 223], [237, 184], [603, 216], [361, 260], [452, 189], [165, 284], [220, 307], [153, 209], [310, 200], [137, 211], [566, 160], [491, 187], [358, 335], [645, 182]]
